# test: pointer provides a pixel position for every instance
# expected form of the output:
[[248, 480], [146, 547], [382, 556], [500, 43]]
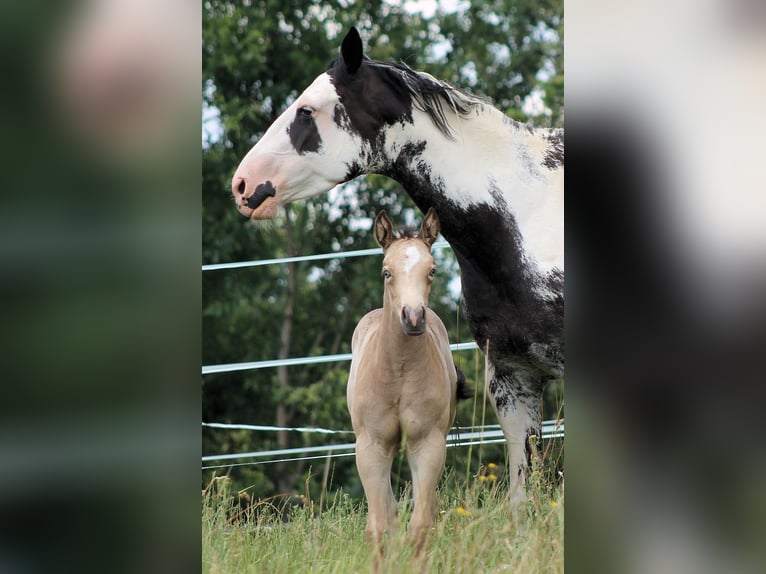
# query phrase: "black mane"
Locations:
[[425, 92], [428, 94]]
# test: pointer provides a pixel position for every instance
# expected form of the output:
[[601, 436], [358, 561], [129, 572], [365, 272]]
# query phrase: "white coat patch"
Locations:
[[411, 258]]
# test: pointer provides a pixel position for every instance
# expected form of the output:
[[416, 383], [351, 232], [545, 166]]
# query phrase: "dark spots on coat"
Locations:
[[506, 299], [341, 119], [304, 135], [353, 169], [518, 126], [554, 154], [531, 168], [410, 153], [260, 194]]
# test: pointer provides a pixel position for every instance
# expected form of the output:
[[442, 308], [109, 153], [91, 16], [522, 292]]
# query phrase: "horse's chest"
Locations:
[[515, 321]]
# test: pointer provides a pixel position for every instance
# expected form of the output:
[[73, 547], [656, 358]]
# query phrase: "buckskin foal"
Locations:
[[403, 384]]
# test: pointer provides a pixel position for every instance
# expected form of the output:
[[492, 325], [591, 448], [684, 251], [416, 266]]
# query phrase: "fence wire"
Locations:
[[489, 434]]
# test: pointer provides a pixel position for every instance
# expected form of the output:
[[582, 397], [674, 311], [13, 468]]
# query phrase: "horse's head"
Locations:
[[408, 271], [337, 129], [310, 148]]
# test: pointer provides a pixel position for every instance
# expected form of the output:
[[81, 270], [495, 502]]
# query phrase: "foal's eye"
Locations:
[[386, 274], [432, 273], [305, 111]]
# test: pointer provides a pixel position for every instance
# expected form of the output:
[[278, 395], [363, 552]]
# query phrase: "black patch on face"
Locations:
[[304, 134], [260, 194], [554, 155]]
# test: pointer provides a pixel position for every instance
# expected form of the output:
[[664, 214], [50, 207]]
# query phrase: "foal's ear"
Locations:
[[384, 232], [429, 230], [351, 50]]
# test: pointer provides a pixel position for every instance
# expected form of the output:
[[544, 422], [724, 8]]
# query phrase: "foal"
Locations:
[[403, 384]]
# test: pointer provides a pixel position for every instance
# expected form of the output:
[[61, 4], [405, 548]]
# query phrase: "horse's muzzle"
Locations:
[[249, 199], [260, 194], [413, 320]]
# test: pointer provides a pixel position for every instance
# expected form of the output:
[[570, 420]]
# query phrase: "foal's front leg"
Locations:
[[373, 460], [426, 457]]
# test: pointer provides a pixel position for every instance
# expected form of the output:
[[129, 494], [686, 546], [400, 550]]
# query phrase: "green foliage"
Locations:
[[257, 57]]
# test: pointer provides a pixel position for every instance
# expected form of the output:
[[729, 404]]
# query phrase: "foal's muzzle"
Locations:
[[413, 320]]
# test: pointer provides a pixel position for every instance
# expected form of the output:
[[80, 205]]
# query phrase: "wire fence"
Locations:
[[488, 434]]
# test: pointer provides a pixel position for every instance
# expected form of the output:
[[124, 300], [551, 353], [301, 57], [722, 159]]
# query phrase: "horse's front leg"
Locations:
[[517, 399], [373, 460], [426, 456]]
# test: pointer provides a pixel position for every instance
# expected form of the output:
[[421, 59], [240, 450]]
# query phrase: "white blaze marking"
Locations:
[[411, 258]]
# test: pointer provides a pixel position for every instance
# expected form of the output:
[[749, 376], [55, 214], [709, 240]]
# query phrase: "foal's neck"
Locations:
[[397, 346]]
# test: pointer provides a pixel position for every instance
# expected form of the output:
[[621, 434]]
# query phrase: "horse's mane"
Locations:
[[429, 94]]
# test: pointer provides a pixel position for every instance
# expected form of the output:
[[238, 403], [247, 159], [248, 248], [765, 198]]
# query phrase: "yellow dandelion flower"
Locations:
[[483, 478], [554, 504], [492, 476], [491, 466], [462, 511]]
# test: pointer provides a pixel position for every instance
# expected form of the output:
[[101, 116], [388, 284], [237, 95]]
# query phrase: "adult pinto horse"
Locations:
[[496, 185], [403, 385]]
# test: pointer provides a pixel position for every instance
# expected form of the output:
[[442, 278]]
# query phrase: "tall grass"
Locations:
[[475, 532]]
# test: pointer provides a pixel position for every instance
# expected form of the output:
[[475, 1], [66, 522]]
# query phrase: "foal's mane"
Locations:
[[407, 233]]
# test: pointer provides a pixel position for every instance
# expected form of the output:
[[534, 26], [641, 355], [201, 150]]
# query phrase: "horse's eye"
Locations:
[[386, 274], [432, 273], [305, 111]]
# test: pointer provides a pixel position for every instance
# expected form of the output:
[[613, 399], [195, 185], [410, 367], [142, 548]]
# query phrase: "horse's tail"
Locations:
[[464, 391]]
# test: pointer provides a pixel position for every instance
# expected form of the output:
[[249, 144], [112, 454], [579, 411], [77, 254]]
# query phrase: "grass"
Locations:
[[475, 532]]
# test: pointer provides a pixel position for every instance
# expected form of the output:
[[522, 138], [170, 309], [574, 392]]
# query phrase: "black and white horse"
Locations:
[[496, 185]]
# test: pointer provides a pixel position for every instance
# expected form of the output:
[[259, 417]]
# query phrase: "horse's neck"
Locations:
[[494, 169]]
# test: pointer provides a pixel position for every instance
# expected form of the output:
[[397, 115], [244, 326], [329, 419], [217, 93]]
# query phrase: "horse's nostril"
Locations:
[[241, 187]]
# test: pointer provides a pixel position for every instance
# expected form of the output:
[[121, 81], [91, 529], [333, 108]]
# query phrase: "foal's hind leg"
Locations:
[[426, 457], [373, 460]]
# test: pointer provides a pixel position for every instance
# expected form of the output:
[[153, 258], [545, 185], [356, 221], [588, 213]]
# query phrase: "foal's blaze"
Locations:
[[408, 271]]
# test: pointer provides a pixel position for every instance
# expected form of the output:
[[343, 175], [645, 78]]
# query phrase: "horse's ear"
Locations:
[[429, 230], [352, 51], [384, 232]]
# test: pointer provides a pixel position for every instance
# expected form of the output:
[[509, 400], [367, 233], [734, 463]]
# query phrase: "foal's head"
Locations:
[[408, 271]]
